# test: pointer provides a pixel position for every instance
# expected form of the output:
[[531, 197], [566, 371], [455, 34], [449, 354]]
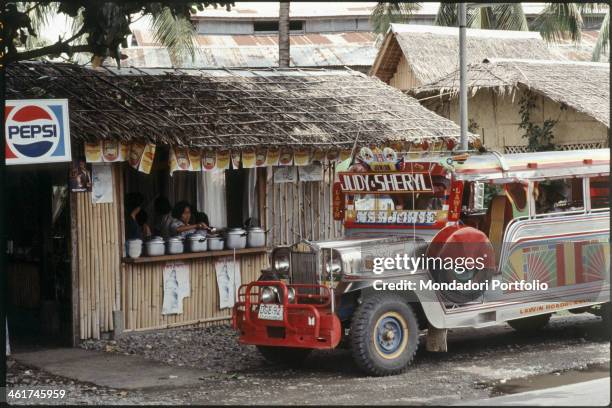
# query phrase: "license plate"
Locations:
[[270, 312]]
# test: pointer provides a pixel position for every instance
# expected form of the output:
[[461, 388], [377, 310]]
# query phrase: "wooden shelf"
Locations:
[[194, 255]]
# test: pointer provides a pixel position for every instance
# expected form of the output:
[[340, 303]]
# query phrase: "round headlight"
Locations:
[[268, 294], [281, 261], [291, 294], [333, 265]]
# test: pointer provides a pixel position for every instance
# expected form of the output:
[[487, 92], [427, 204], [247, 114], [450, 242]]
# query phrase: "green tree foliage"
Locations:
[[101, 27], [539, 138]]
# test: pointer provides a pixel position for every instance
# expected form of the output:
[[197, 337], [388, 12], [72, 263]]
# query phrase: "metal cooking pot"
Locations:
[[197, 242], [155, 246], [174, 245], [134, 248], [215, 243], [256, 237], [235, 238]]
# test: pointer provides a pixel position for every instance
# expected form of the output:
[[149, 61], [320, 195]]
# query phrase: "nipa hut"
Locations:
[[259, 145], [574, 94], [414, 55]]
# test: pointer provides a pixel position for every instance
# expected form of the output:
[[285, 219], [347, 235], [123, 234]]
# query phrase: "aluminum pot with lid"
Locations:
[[215, 242], [256, 237], [174, 245], [155, 246], [197, 242], [235, 238]]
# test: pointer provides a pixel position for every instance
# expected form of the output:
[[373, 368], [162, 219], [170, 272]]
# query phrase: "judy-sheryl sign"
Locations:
[[385, 182]]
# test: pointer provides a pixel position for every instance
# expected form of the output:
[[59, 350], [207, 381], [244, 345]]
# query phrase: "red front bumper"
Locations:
[[307, 322]]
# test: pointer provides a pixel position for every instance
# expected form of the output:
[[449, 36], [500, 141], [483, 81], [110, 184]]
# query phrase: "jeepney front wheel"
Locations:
[[384, 335], [287, 356]]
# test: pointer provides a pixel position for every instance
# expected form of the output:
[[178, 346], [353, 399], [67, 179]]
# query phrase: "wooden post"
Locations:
[[74, 272], [436, 339]]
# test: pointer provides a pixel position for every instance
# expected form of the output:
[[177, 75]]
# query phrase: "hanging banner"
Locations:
[[209, 160], [136, 151], [286, 156], [176, 287], [345, 154], [107, 151], [318, 155], [93, 152], [235, 155], [332, 155], [146, 162], [272, 156], [227, 270], [301, 157], [36, 131], [248, 158], [195, 159], [260, 157], [223, 160], [111, 151], [102, 183]]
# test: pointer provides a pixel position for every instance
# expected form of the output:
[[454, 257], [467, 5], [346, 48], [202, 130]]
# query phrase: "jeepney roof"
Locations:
[[537, 165]]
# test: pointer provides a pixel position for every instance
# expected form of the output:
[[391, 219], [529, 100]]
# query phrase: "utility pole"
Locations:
[[463, 101], [284, 53]]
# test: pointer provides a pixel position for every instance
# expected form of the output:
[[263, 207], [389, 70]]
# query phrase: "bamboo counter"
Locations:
[[142, 288]]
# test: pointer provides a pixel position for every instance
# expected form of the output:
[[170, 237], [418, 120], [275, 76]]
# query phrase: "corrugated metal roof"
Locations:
[[256, 51]]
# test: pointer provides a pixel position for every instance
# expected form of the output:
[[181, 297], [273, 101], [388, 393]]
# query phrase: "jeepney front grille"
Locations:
[[304, 268]]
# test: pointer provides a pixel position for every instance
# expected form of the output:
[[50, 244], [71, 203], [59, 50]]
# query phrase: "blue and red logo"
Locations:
[[36, 131]]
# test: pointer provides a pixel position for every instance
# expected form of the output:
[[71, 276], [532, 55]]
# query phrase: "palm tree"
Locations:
[[284, 53], [556, 21], [603, 39]]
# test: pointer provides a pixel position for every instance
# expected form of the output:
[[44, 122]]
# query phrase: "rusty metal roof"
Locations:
[[353, 49]]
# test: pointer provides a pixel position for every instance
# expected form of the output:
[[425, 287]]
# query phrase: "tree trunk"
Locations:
[[283, 35]]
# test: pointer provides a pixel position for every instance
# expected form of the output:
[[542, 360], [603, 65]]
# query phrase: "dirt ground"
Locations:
[[477, 364]]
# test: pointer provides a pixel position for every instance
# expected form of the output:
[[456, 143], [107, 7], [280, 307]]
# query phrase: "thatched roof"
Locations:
[[433, 52], [584, 86], [232, 108]]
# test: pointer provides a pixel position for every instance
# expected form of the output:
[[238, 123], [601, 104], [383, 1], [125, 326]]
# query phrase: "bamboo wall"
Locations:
[[98, 255], [404, 78], [142, 293], [300, 209]]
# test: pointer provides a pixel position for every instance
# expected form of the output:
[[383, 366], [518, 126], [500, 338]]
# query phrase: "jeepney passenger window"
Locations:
[[558, 195], [600, 192]]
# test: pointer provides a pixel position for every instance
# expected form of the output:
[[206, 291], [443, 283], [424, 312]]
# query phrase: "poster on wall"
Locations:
[[102, 183], [176, 287], [285, 174], [312, 172], [36, 131], [227, 270], [80, 176]]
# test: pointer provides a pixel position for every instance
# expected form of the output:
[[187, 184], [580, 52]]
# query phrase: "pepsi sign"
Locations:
[[36, 131]]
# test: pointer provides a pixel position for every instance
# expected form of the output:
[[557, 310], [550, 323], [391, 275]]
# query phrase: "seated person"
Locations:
[[141, 218], [163, 217], [428, 201], [181, 223], [133, 206], [202, 218]]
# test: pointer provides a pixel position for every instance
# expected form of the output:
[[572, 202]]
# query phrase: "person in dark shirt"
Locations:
[[133, 205], [142, 219]]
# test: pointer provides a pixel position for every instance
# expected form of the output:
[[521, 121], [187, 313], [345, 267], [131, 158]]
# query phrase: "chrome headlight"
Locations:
[[291, 294], [280, 261], [333, 264], [268, 294]]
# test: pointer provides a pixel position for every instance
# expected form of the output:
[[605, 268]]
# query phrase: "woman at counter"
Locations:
[[163, 217], [181, 225], [133, 206]]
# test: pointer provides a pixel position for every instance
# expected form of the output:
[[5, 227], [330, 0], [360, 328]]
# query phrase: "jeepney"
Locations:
[[536, 226]]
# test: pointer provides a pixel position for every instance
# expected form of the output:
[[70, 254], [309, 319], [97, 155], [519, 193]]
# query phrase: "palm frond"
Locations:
[[174, 32], [448, 15], [603, 39], [509, 17], [559, 21], [386, 13]]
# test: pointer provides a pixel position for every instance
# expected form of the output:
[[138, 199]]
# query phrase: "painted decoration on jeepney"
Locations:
[[396, 217], [210, 159], [301, 157], [248, 158], [272, 156], [223, 160], [559, 262], [286, 156], [389, 182]]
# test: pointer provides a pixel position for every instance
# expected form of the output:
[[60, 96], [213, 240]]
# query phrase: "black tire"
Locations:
[[370, 318], [530, 324], [287, 356]]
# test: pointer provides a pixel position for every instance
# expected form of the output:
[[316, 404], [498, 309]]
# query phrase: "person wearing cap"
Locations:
[[434, 201]]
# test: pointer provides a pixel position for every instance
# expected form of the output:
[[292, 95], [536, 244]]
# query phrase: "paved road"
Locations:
[[587, 393], [479, 364]]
